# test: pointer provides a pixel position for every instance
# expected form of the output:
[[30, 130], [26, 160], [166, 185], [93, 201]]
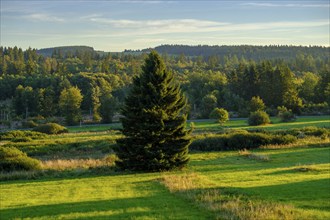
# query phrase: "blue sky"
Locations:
[[117, 25]]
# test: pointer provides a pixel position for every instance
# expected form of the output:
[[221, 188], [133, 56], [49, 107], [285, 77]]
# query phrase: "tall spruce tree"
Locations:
[[155, 138]]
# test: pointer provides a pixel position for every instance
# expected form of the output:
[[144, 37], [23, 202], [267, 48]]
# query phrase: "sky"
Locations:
[[114, 25]]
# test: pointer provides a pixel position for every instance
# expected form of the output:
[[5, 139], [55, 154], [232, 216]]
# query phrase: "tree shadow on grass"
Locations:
[[157, 204], [312, 194], [116, 209]]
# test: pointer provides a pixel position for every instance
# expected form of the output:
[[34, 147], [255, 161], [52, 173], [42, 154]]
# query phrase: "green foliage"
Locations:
[[210, 78], [258, 118], [95, 96], [51, 128], [256, 104], [155, 138], [239, 140], [12, 159], [16, 134], [316, 109], [220, 114], [209, 102], [307, 87], [70, 100], [108, 107], [284, 114], [292, 101], [307, 131], [29, 124]]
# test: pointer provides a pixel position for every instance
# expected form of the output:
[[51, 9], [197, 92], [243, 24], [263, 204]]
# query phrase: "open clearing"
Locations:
[[293, 183]]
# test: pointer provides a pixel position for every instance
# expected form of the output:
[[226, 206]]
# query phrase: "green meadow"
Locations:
[[78, 180]]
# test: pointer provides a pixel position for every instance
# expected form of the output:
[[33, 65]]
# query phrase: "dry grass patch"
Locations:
[[253, 156], [70, 164]]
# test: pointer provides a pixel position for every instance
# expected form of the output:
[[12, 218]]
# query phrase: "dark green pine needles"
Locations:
[[155, 138]]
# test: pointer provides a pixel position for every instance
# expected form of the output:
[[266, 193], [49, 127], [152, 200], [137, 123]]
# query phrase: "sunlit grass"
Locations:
[[77, 181], [135, 196], [211, 126], [293, 184]]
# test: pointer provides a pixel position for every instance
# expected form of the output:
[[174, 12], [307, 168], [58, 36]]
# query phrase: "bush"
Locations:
[[258, 118], [307, 131], [284, 114], [21, 139], [12, 159], [220, 114], [29, 124], [51, 128], [256, 104], [20, 135], [239, 141]]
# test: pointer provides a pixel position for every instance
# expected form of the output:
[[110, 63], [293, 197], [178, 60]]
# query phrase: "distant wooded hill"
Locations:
[[245, 51]]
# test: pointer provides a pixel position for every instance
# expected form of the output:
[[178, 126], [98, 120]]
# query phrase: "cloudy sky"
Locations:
[[113, 25]]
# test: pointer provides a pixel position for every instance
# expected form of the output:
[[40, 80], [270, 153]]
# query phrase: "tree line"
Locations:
[[96, 83]]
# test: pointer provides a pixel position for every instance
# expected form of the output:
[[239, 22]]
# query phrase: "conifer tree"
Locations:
[[155, 138]]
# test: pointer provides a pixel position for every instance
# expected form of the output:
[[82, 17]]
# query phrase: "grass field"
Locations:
[[275, 182], [211, 126], [281, 180]]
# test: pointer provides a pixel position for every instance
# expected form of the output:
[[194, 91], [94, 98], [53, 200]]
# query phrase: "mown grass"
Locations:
[[211, 126], [95, 128], [134, 196], [280, 180]]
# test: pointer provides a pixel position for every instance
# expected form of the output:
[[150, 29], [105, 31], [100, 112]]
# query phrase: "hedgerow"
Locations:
[[17, 135], [239, 140]]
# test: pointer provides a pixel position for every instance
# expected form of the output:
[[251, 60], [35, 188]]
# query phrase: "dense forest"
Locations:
[[79, 83]]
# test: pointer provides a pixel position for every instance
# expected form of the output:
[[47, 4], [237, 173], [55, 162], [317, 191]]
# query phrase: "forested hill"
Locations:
[[248, 52], [73, 50]]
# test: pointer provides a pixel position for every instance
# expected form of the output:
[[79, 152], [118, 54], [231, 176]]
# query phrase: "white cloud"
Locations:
[[151, 27], [291, 5], [43, 17], [145, 1], [168, 24]]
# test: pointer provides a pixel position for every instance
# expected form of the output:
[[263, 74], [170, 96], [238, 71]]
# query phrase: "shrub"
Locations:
[[220, 114], [256, 104], [12, 159], [239, 141], [258, 118], [307, 131], [284, 114], [51, 128], [20, 135], [29, 124], [21, 139]]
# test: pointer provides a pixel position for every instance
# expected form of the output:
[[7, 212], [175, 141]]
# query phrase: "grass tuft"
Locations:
[[305, 168], [253, 156]]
